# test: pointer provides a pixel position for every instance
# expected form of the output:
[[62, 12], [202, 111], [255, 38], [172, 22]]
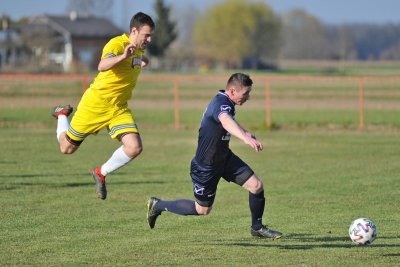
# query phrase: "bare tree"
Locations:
[[40, 40], [304, 36], [90, 7], [346, 44], [181, 53]]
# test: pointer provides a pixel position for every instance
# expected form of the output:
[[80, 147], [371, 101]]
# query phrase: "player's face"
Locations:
[[241, 96], [142, 37]]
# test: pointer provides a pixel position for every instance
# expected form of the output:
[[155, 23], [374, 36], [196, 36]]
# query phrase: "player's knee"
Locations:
[[203, 210], [258, 187], [132, 144], [254, 185], [134, 151], [67, 148]]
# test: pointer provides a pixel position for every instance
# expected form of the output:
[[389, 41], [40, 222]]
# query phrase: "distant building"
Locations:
[[68, 42], [11, 45]]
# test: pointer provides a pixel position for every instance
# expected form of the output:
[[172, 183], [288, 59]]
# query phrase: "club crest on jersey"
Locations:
[[136, 61], [226, 137], [199, 190], [226, 108]]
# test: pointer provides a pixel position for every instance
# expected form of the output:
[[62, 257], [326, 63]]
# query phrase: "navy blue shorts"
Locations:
[[205, 178]]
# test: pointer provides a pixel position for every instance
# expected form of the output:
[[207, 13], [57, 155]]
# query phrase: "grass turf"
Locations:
[[316, 184], [319, 172]]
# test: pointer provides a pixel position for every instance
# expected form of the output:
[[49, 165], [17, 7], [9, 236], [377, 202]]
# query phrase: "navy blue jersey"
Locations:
[[213, 142]]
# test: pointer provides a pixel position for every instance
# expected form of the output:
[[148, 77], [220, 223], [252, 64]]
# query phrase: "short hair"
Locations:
[[239, 80], [140, 19]]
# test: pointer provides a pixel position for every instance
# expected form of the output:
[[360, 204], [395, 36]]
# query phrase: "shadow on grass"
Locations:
[[14, 186], [26, 175], [313, 246], [64, 174], [391, 255], [308, 238], [86, 180], [311, 238]]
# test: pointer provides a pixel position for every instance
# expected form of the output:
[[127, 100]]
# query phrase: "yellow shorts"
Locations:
[[94, 114]]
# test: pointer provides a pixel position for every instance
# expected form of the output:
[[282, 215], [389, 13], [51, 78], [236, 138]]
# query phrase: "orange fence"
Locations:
[[269, 82]]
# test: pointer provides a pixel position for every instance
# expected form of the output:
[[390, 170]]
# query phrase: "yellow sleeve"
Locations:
[[112, 49]]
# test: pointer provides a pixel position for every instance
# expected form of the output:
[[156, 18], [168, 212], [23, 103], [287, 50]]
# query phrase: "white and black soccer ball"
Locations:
[[362, 231]]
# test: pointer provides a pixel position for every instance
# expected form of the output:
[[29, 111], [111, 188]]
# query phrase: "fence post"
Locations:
[[268, 102], [361, 102], [176, 103], [85, 78]]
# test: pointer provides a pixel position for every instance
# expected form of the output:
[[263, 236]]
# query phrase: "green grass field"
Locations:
[[319, 171]]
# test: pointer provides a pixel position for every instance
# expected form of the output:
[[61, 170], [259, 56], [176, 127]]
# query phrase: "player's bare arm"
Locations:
[[234, 128], [109, 62]]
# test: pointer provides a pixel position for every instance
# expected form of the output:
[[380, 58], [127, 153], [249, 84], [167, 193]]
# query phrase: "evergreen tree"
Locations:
[[164, 33]]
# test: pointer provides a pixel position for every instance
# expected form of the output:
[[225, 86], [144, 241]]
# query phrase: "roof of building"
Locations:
[[78, 27]]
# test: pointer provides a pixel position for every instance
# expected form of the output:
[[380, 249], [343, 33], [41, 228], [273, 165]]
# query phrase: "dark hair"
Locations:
[[239, 80], [140, 19]]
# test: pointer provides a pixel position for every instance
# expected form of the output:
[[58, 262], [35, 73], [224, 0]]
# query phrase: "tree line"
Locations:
[[249, 34], [239, 33]]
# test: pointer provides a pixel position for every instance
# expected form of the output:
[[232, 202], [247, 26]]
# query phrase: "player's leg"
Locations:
[[257, 204], [256, 200], [123, 128], [132, 144], [131, 148], [239, 172], [61, 113], [156, 206], [204, 194], [179, 206], [67, 145]]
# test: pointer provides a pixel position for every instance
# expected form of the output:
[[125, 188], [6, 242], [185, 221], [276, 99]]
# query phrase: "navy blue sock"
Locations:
[[257, 204], [180, 206]]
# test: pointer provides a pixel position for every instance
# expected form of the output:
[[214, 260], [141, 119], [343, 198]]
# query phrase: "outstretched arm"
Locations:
[[109, 62], [235, 129]]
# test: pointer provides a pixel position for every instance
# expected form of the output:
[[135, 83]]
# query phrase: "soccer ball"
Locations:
[[362, 231]]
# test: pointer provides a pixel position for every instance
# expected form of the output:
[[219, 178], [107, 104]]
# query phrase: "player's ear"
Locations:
[[231, 89], [134, 30]]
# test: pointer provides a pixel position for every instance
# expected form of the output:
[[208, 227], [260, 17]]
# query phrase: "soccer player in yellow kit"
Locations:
[[105, 103]]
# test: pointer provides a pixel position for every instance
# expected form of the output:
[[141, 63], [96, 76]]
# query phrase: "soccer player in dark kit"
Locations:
[[214, 160]]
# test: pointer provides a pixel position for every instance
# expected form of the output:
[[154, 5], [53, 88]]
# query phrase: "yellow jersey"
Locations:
[[116, 84]]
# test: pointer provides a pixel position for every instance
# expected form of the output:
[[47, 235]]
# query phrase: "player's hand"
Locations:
[[253, 142], [258, 145], [129, 50]]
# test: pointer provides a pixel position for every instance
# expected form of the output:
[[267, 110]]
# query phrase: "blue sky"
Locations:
[[328, 11]]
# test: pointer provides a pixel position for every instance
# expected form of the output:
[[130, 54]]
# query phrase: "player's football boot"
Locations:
[[62, 110], [265, 232], [100, 181], [152, 211]]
